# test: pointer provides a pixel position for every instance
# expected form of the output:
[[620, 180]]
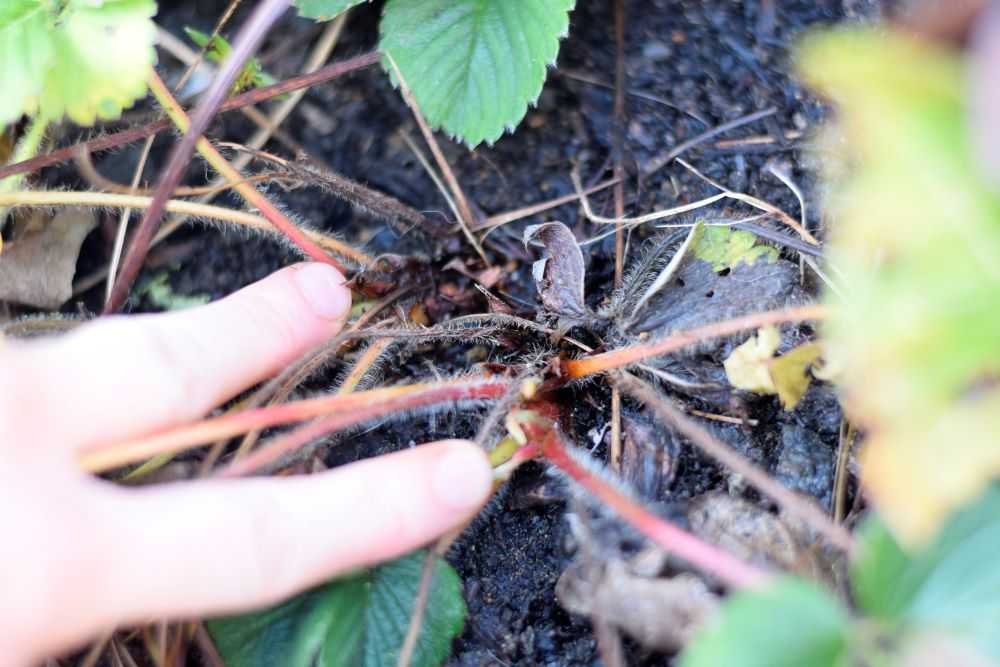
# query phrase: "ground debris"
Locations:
[[560, 274], [753, 534], [660, 613], [37, 267]]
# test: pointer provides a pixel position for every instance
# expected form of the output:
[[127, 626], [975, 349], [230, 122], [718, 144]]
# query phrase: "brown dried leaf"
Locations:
[[751, 533], [661, 614], [37, 269], [649, 456], [559, 275]]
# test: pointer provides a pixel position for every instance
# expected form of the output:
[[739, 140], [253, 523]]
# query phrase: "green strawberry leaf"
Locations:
[[474, 65], [218, 47], [324, 10], [357, 621], [790, 624], [950, 588], [876, 570], [88, 59]]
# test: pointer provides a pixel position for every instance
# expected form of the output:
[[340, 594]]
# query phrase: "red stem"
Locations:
[[709, 558], [255, 96], [250, 36], [385, 399], [300, 437]]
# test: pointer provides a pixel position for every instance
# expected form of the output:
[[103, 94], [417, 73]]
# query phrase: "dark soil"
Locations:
[[709, 62]]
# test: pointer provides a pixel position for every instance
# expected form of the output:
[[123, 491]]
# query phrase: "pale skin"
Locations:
[[80, 556]]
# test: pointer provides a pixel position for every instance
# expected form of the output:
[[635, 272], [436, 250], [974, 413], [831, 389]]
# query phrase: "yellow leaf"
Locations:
[[918, 472], [790, 373], [747, 366], [752, 367]]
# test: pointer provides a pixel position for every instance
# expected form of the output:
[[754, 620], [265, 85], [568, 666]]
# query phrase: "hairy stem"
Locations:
[[250, 194], [367, 409], [355, 407], [248, 98], [673, 539], [26, 148], [192, 209], [249, 38], [787, 500], [622, 357]]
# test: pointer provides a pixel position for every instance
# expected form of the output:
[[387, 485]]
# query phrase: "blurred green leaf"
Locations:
[[356, 621], [474, 65], [87, 59], [324, 10], [876, 570], [917, 241], [949, 590], [790, 624]]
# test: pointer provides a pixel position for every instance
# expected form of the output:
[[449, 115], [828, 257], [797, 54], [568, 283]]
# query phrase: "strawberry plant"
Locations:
[[474, 65], [907, 330]]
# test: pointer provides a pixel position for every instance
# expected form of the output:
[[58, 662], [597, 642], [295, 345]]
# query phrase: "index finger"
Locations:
[[125, 376]]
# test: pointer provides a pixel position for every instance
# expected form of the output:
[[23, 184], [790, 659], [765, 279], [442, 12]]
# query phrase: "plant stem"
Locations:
[[250, 194], [193, 209], [424, 395], [26, 149], [248, 98], [701, 554], [622, 357], [787, 500], [249, 38], [356, 407]]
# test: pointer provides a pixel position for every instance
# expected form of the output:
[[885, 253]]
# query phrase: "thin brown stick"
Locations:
[[790, 502], [419, 608], [85, 165], [756, 202], [191, 209], [658, 163], [96, 651], [209, 654], [841, 474], [254, 96], [535, 209], [615, 455], [466, 218]]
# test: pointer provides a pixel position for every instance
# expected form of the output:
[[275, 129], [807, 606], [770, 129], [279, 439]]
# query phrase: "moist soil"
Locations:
[[691, 66]]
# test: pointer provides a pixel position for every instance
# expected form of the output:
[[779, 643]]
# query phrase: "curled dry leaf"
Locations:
[[753, 534], [649, 456], [559, 275], [752, 367], [37, 268], [661, 614]]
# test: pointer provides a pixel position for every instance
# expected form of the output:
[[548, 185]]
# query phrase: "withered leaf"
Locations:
[[559, 275], [661, 614], [751, 533], [37, 268], [752, 367]]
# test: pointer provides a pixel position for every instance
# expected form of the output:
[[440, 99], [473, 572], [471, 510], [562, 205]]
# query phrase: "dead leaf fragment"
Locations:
[[37, 268], [751, 533], [752, 367], [560, 274], [746, 367], [662, 614]]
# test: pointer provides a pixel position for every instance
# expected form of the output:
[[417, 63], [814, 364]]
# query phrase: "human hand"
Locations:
[[80, 555]]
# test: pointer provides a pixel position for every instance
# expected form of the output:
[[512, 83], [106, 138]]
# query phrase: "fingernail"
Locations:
[[323, 288], [462, 477]]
